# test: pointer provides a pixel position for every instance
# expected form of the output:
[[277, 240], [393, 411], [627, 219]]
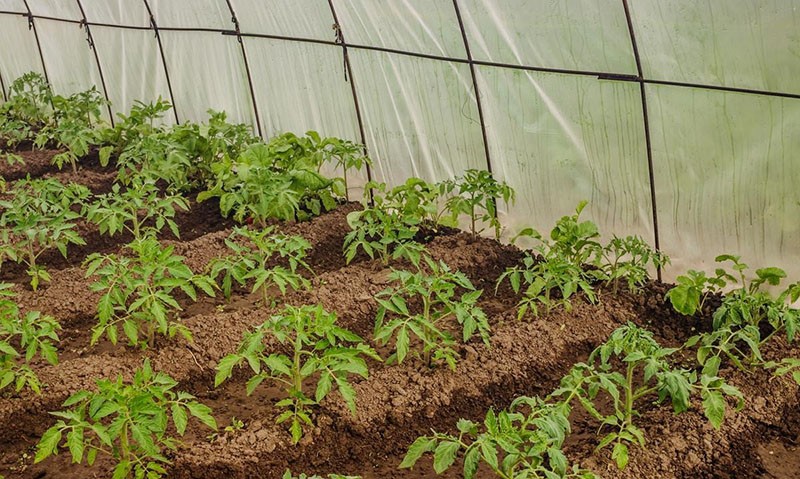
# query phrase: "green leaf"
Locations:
[[471, 460], [75, 444], [225, 368], [445, 455], [180, 418], [714, 408], [419, 447], [620, 455], [48, 444], [203, 413]]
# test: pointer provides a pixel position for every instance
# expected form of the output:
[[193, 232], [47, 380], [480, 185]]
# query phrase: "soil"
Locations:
[[396, 403]]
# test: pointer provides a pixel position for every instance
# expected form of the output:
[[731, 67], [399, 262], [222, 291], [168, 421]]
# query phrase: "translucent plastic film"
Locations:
[[68, 56], [751, 44], [421, 26], [304, 87], [559, 140], [420, 116], [24, 56], [286, 18], [589, 35], [207, 72], [726, 171], [117, 12], [132, 67]]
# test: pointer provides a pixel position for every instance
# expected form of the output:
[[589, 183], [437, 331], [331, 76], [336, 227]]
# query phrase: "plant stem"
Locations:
[[426, 311], [297, 379]]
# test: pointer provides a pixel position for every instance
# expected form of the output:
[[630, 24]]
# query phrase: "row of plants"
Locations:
[[428, 309], [320, 351], [525, 441]]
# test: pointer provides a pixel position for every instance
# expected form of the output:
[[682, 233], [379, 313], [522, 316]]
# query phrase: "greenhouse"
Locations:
[[307, 239]]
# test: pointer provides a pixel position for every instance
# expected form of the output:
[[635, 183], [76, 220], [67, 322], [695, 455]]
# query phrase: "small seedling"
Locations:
[[139, 209], [628, 259], [523, 442], [476, 195], [252, 260], [737, 323], [22, 338], [139, 292], [645, 371], [128, 422], [440, 303], [38, 217], [321, 351]]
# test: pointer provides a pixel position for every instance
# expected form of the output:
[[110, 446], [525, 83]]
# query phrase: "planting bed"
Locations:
[[397, 403]]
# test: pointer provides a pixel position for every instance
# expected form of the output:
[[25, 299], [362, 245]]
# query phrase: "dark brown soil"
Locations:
[[396, 403]]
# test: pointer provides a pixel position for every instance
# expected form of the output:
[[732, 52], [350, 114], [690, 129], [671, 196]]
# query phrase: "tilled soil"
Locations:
[[396, 403]]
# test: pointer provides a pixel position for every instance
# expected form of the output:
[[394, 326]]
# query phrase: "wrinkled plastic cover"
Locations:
[[725, 165]]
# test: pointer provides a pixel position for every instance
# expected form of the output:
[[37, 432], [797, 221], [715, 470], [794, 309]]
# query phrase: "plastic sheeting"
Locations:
[[565, 106]]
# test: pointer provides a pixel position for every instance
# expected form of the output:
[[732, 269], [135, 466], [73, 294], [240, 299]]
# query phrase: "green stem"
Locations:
[[297, 379], [426, 312], [124, 446], [629, 394]]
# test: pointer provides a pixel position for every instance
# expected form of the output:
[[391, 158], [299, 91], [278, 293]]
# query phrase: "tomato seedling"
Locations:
[[438, 293], [22, 338], [476, 194], [628, 259], [320, 351], [139, 292], [645, 371], [523, 442], [738, 322], [253, 258], [281, 179], [38, 217], [139, 209], [127, 421]]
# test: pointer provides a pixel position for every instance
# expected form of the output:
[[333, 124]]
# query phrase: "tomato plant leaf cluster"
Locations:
[[138, 292], [129, 422], [39, 215], [419, 308], [22, 338], [255, 256], [573, 260], [319, 351]]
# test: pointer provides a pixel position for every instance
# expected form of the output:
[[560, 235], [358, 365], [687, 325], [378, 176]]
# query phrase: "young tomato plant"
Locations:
[[692, 289], [139, 209], [438, 294], [787, 366], [138, 292], [252, 258], [141, 122], [280, 179], [72, 126], [476, 195], [320, 351], [560, 270], [28, 109], [39, 217], [383, 235], [128, 422], [388, 229], [23, 337], [628, 259], [747, 310], [523, 442], [628, 368]]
